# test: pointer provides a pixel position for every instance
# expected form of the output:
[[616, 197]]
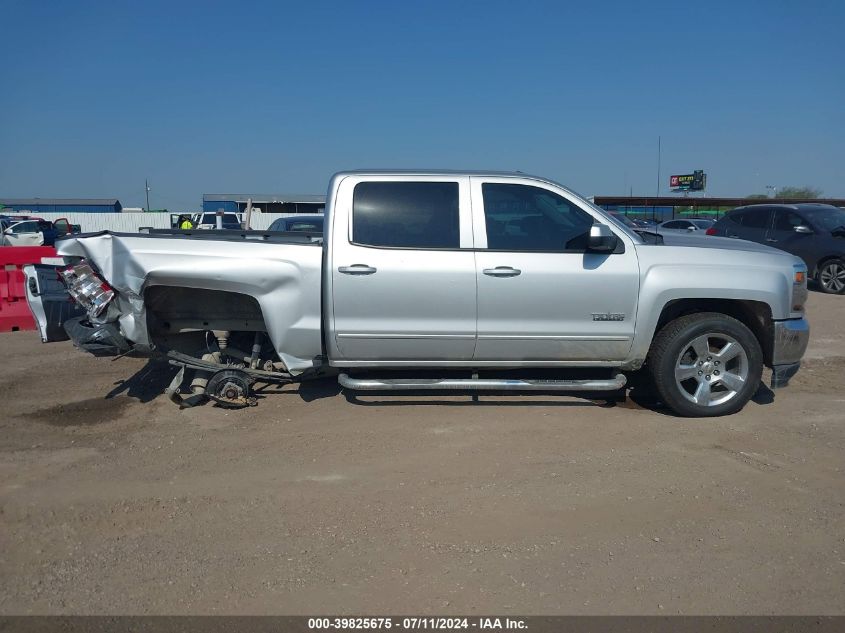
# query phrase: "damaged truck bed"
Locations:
[[166, 285], [197, 298]]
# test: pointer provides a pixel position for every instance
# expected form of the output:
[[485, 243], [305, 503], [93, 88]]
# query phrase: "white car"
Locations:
[[24, 233], [684, 226]]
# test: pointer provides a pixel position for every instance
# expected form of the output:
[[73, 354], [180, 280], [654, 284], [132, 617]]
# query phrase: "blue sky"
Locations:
[[274, 97]]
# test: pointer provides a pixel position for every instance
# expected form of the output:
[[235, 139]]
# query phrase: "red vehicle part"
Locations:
[[14, 312]]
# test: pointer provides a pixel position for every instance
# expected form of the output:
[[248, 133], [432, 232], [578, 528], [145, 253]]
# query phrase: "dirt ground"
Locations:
[[114, 501]]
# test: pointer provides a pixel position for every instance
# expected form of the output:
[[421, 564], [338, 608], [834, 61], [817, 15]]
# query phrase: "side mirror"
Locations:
[[602, 239], [692, 228], [803, 228], [7, 232]]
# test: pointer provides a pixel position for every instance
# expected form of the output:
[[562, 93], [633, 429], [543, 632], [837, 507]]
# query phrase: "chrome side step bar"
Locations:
[[482, 384]]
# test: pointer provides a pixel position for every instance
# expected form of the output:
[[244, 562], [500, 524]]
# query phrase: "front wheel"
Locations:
[[705, 365], [831, 277]]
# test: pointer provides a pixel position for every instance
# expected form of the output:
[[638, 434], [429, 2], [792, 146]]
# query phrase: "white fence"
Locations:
[[131, 222]]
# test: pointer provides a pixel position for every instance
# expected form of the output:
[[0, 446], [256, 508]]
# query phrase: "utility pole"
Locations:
[[657, 193], [147, 187], [248, 215]]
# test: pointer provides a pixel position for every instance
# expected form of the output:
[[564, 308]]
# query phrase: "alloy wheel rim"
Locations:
[[833, 277], [711, 369]]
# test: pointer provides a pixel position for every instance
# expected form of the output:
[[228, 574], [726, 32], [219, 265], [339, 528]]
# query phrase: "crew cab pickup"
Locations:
[[438, 280]]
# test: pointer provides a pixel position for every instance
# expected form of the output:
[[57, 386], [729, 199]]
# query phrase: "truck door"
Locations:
[[402, 270], [62, 227], [542, 297]]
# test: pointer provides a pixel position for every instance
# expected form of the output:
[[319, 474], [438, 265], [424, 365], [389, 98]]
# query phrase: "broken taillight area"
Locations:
[[87, 288]]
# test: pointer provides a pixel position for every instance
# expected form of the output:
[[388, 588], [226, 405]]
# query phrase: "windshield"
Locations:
[[311, 225], [624, 219], [703, 224], [828, 218], [315, 225], [230, 221], [228, 218]]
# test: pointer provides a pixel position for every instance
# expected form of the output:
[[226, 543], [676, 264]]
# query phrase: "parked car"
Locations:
[[813, 232], [645, 223], [642, 226], [433, 273], [209, 221], [308, 223], [28, 233], [42, 233], [684, 225]]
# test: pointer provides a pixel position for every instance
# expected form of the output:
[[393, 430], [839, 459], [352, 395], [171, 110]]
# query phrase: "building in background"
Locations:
[[60, 205], [263, 203]]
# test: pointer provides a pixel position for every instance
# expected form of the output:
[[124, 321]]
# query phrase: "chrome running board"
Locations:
[[479, 384]]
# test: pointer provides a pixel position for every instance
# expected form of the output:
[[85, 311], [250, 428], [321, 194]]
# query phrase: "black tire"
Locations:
[[675, 339], [831, 277]]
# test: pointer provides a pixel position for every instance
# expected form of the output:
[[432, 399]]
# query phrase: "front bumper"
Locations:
[[790, 342]]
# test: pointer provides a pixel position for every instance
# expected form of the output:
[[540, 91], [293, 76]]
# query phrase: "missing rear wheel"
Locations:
[[231, 389]]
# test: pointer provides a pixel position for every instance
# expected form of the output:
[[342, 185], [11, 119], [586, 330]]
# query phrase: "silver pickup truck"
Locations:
[[437, 280]]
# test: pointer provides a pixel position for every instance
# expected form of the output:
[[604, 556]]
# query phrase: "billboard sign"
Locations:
[[695, 181]]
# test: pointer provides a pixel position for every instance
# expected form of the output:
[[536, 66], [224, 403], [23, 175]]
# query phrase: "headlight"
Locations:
[[87, 289], [799, 287]]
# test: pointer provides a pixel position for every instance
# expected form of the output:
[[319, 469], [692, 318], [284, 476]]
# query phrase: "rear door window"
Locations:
[[756, 218], [406, 214]]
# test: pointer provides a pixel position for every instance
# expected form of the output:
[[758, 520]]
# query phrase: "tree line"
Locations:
[[790, 192]]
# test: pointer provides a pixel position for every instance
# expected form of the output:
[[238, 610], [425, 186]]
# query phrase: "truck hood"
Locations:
[[723, 243]]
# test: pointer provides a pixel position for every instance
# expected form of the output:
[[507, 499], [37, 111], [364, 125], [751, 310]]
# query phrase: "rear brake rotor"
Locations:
[[231, 389]]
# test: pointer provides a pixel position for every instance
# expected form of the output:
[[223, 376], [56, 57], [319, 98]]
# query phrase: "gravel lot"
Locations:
[[114, 501]]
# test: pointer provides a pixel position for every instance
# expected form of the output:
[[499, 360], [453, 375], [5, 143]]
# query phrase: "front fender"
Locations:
[[664, 283]]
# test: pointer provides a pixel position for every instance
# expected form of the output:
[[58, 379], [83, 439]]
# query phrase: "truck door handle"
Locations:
[[356, 269], [502, 271], [769, 239], [733, 235]]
